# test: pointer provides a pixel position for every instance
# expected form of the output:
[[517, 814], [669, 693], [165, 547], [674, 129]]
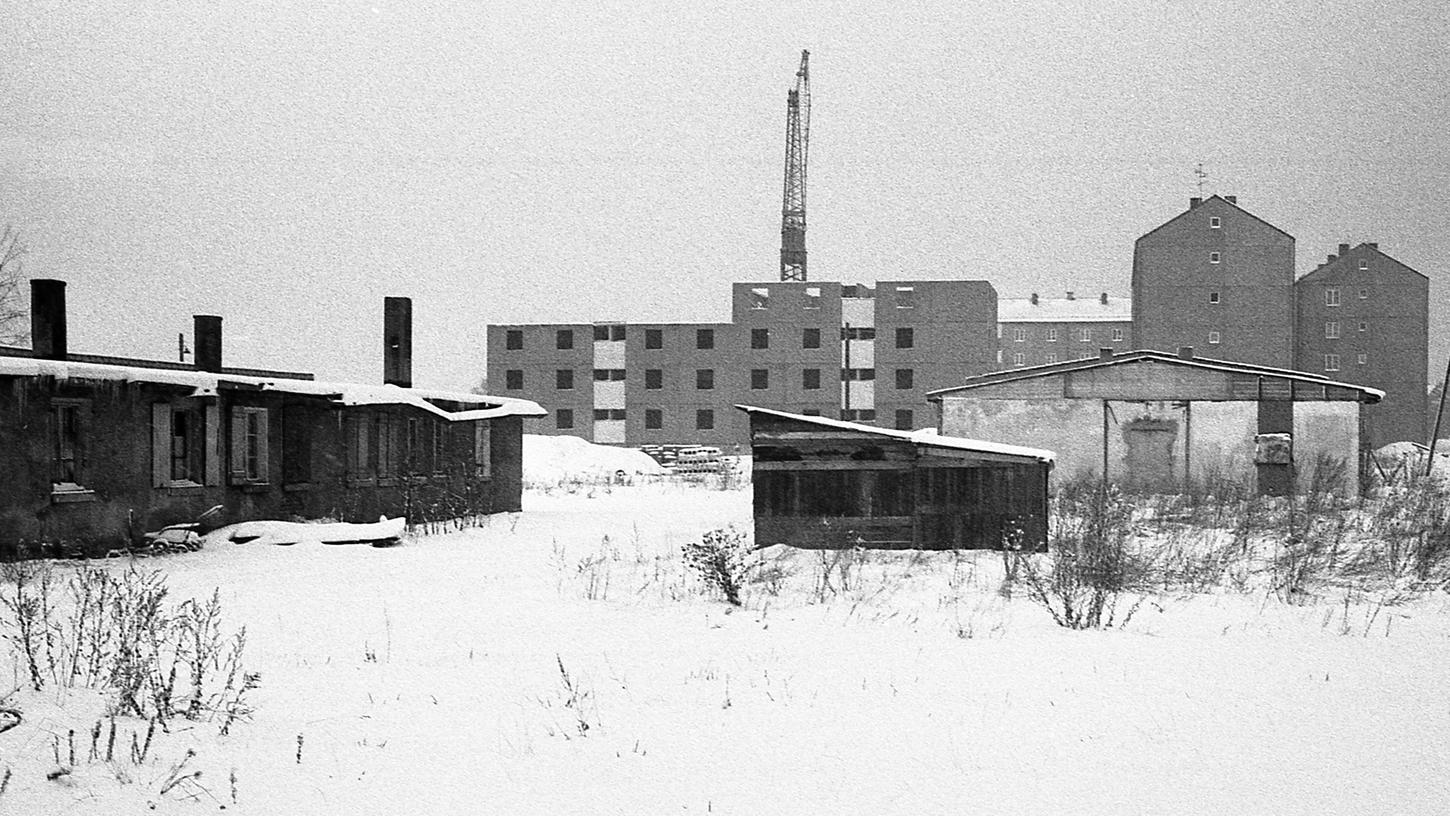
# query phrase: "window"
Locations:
[[760, 298], [654, 338], [249, 446], [1052, 335], [513, 339], [483, 449], [858, 333], [1362, 359], [904, 379], [564, 339], [811, 338], [1363, 265], [608, 375], [705, 379], [386, 458], [810, 379], [601, 333], [616, 332], [1363, 293], [903, 419], [68, 422], [1051, 357], [1214, 222], [1331, 362], [296, 444], [609, 332], [654, 419], [1363, 326], [606, 414], [906, 297], [704, 420], [1117, 335], [905, 338], [564, 379], [1331, 330], [564, 419], [1019, 359], [1214, 257], [513, 379], [859, 414], [1213, 297], [413, 454], [1019, 335], [811, 412], [704, 338], [1331, 296], [178, 439], [359, 463], [1085, 335], [760, 338], [759, 379], [1213, 338], [813, 297], [859, 374], [654, 379]]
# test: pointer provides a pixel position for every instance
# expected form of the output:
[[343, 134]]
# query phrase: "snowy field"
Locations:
[[563, 661]]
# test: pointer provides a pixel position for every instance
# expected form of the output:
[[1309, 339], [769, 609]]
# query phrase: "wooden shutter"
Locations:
[[160, 444], [264, 446], [212, 444], [482, 448], [237, 456]]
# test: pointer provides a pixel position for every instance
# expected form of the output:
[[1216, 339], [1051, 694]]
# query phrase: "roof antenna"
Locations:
[[1199, 174]]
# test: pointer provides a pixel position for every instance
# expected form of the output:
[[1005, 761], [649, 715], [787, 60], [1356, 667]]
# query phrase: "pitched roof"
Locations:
[[1344, 258], [206, 383], [927, 437], [1367, 395], [1064, 310], [1226, 203]]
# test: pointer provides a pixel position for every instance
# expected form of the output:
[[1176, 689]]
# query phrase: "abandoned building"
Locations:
[[828, 484], [96, 450], [1158, 422]]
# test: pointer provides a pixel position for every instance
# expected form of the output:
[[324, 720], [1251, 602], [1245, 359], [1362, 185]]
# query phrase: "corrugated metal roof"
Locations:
[[927, 437], [1368, 395]]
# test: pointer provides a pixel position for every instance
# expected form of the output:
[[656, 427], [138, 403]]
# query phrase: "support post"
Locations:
[[1439, 413]]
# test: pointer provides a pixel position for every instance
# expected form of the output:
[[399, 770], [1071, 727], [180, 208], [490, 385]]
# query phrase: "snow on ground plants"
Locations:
[[553, 460], [567, 660]]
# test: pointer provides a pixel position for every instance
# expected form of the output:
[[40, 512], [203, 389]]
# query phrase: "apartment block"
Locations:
[[1363, 317], [1219, 279], [819, 349], [1037, 330]]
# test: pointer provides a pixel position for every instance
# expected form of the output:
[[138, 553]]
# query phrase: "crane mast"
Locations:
[[797, 146]]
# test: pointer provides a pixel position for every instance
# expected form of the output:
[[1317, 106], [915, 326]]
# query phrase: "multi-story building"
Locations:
[[818, 348], [1219, 279], [1040, 331], [1363, 317]]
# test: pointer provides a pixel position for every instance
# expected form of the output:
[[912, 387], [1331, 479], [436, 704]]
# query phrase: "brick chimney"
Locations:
[[1034, 298], [1194, 202], [1344, 249], [207, 342], [47, 319], [1103, 299], [1185, 352], [1069, 296], [398, 341]]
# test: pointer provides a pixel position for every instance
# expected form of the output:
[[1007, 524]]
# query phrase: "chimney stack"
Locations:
[[1331, 259], [1344, 249], [1233, 199], [1185, 352], [1104, 299], [1034, 298], [47, 319], [1069, 296], [398, 341], [207, 343], [1372, 244], [1194, 202]]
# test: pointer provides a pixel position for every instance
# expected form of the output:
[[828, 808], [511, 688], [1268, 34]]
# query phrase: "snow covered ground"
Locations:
[[561, 661]]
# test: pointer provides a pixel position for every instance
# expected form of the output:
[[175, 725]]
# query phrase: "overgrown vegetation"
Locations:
[[721, 559], [118, 632]]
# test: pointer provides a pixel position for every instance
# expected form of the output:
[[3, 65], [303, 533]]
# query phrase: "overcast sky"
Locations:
[[288, 164]]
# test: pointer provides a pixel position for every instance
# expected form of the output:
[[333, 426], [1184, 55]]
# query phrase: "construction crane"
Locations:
[[797, 145]]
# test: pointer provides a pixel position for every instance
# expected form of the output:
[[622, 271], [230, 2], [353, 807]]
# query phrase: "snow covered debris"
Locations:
[[291, 532], [555, 459]]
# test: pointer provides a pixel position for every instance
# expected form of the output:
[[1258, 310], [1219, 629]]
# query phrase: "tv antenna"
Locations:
[[1199, 174]]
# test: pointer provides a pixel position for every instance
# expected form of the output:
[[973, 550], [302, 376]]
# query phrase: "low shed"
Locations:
[[825, 483]]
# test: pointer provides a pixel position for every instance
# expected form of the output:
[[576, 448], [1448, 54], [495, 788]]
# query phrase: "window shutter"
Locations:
[[482, 448], [160, 444], [265, 446], [212, 444], [237, 459]]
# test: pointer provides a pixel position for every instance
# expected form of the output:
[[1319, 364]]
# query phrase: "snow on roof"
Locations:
[[1063, 310], [1140, 355], [207, 383], [924, 436]]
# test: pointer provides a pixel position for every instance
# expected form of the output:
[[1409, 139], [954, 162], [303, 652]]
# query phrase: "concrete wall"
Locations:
[[1326, 445]]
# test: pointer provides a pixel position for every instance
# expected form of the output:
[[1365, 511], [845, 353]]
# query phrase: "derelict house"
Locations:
[[95, 451], [829, 484], [1158, 422]]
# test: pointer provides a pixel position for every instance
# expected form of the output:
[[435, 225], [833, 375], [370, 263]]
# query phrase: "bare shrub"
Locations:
[[721, 559]]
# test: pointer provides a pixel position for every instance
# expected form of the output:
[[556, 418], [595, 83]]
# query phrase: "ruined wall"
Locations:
[[1326, 447]]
